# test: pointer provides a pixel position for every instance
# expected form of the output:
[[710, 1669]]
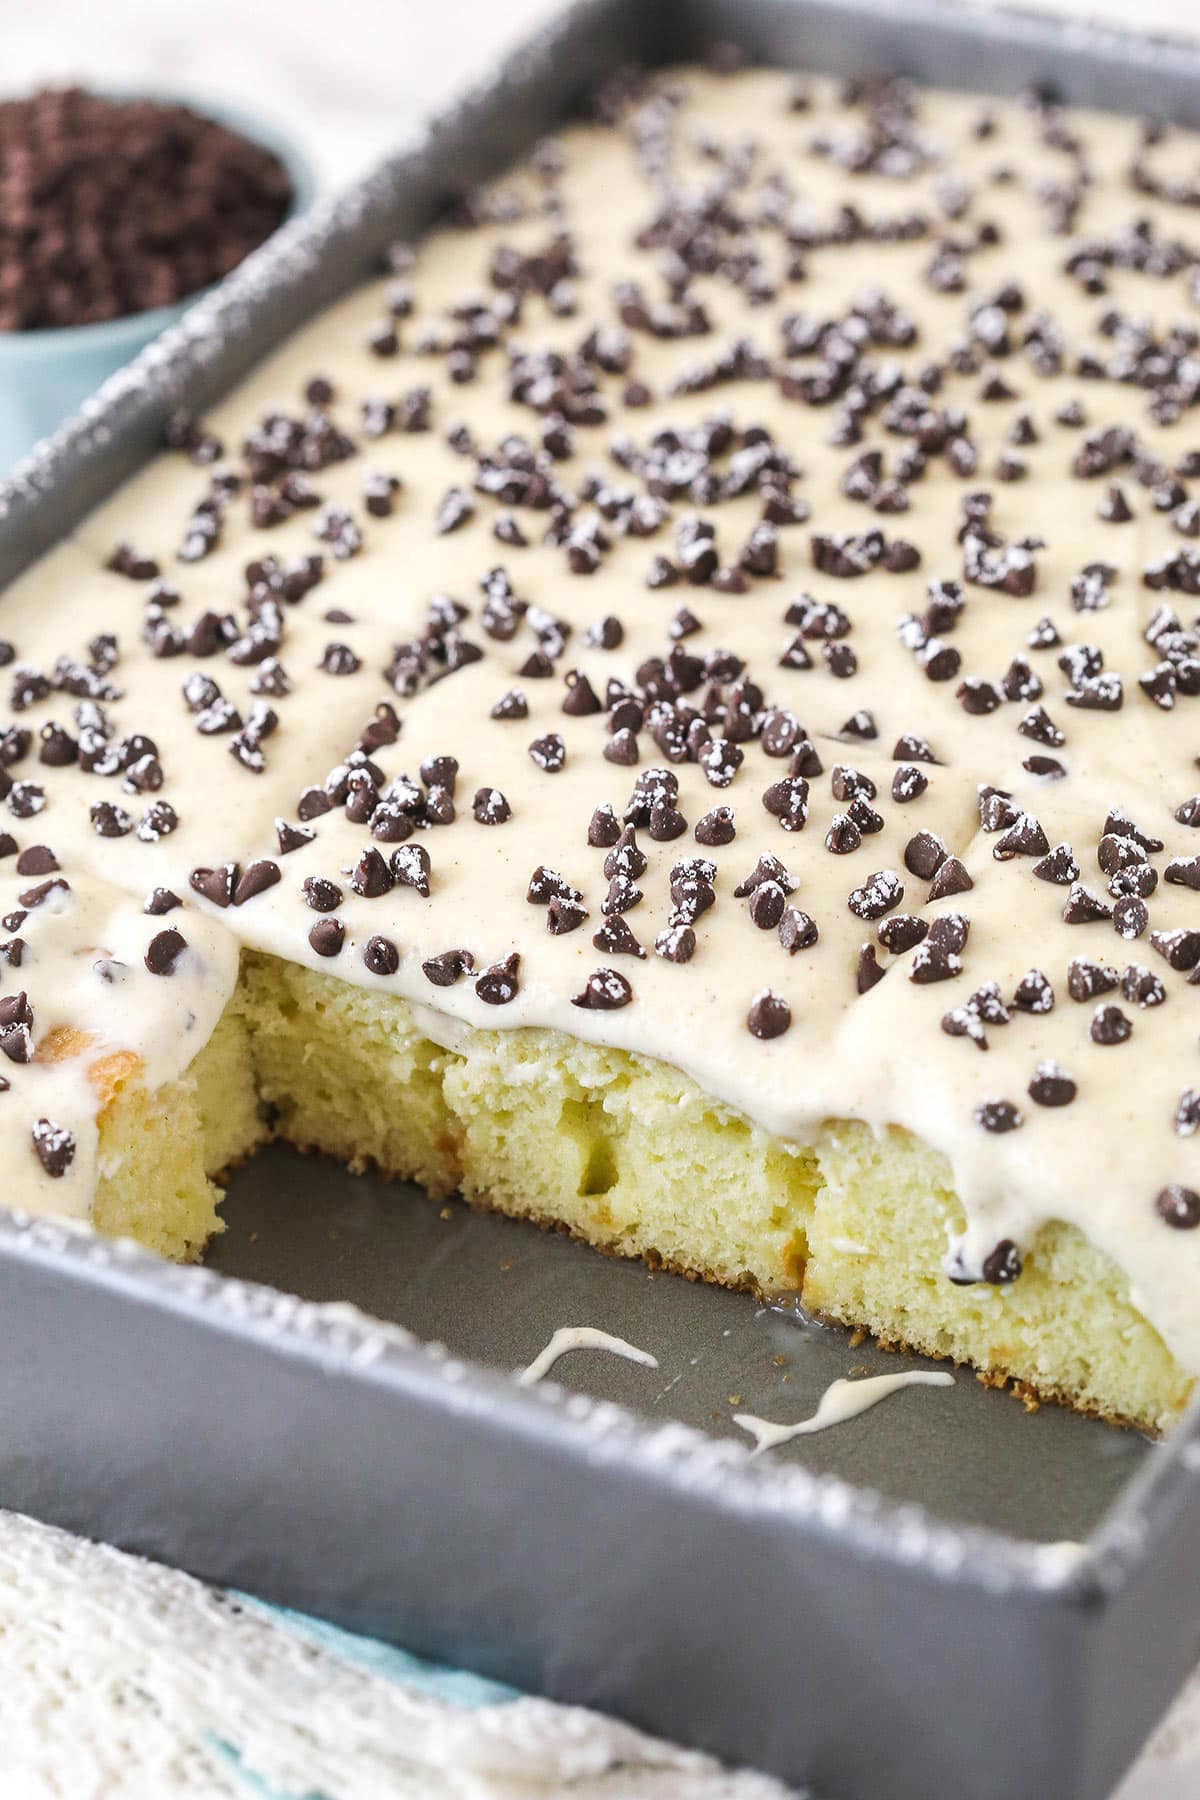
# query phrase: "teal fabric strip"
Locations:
[[255, 1784], [457, 1686]]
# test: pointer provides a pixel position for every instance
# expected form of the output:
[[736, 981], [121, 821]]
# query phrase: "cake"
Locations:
[[667, 712]]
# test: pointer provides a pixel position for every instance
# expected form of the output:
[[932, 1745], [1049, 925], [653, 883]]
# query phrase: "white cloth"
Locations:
[[120, 1680]]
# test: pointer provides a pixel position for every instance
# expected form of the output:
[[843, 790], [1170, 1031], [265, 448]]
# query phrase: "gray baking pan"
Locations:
[[945, 1598]]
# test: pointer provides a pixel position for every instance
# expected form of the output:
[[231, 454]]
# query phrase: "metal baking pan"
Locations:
[[886, 1610]]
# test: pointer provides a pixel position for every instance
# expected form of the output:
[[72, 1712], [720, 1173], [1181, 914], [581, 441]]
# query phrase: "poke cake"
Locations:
[[667, 712]]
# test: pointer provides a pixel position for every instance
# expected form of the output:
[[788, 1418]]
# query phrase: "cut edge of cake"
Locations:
[[633, 1157]]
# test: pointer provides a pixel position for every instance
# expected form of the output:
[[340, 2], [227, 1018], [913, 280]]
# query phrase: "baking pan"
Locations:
[[946, 1598]]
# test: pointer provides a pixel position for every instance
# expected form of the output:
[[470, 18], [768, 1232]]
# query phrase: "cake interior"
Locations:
[[631, 1156]]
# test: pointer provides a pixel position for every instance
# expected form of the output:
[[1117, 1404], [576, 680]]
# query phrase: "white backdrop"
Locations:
[[344, 77]]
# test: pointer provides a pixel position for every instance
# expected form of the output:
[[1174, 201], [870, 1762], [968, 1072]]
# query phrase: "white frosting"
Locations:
[[581, 1337], [842, 1400]]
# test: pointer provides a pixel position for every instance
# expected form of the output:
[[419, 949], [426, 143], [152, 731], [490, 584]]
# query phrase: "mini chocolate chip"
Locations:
[[1183, 871], [291, 837], [1003, 1264], [769, 1015], [549, 752], [843, 836], [1142, 987], [908, 783], [1110, 1026], [1187, 1113], [1083, 907], [766, 905], [1179, 948], [605, 990], [622, 749], [256, 879], [323, 896], [879, 894], [951, 878], [797, 931], [767, 868], [1178, 1207], [1130, 917], [381, 956], [998, 1116], [447, 968], [216, 885], [716, 827], [546, 884], [512, 705], [164, 950], [489, 806], [109, 820], [626, 856], [901, 932], [409, 865], [868, 973], [676, 943], [327, 937], [1051, 1085], [1024, 837], [666, 824], [498, 984], [615, 938], [1086, 979], [55, 1147], [161, 901], [581, 699], [372, 877], [38, 859], [924, 855], [604, 828], [787, 801]]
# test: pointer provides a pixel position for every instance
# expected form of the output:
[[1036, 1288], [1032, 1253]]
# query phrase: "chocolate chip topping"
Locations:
[[998, 1116], [1178, 1206], [164, 951], [769, 1016], [381, 956], [605, 990], [255, 879], [1051, 1085], [54, 1147], [447, 968], [217, 884], [1110, 1026], [327, 937], [498, 985]]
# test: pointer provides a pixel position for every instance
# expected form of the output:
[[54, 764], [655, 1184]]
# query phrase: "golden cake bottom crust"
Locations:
[[631, 1156]]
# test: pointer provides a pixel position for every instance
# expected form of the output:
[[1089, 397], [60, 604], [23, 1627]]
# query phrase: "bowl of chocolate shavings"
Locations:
[[115, 214]]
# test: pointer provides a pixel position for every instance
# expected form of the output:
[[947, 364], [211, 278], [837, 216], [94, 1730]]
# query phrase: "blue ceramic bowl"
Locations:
[[46, 375]]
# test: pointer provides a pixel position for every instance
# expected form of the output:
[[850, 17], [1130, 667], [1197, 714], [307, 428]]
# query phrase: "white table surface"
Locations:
[[118, 1679]]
